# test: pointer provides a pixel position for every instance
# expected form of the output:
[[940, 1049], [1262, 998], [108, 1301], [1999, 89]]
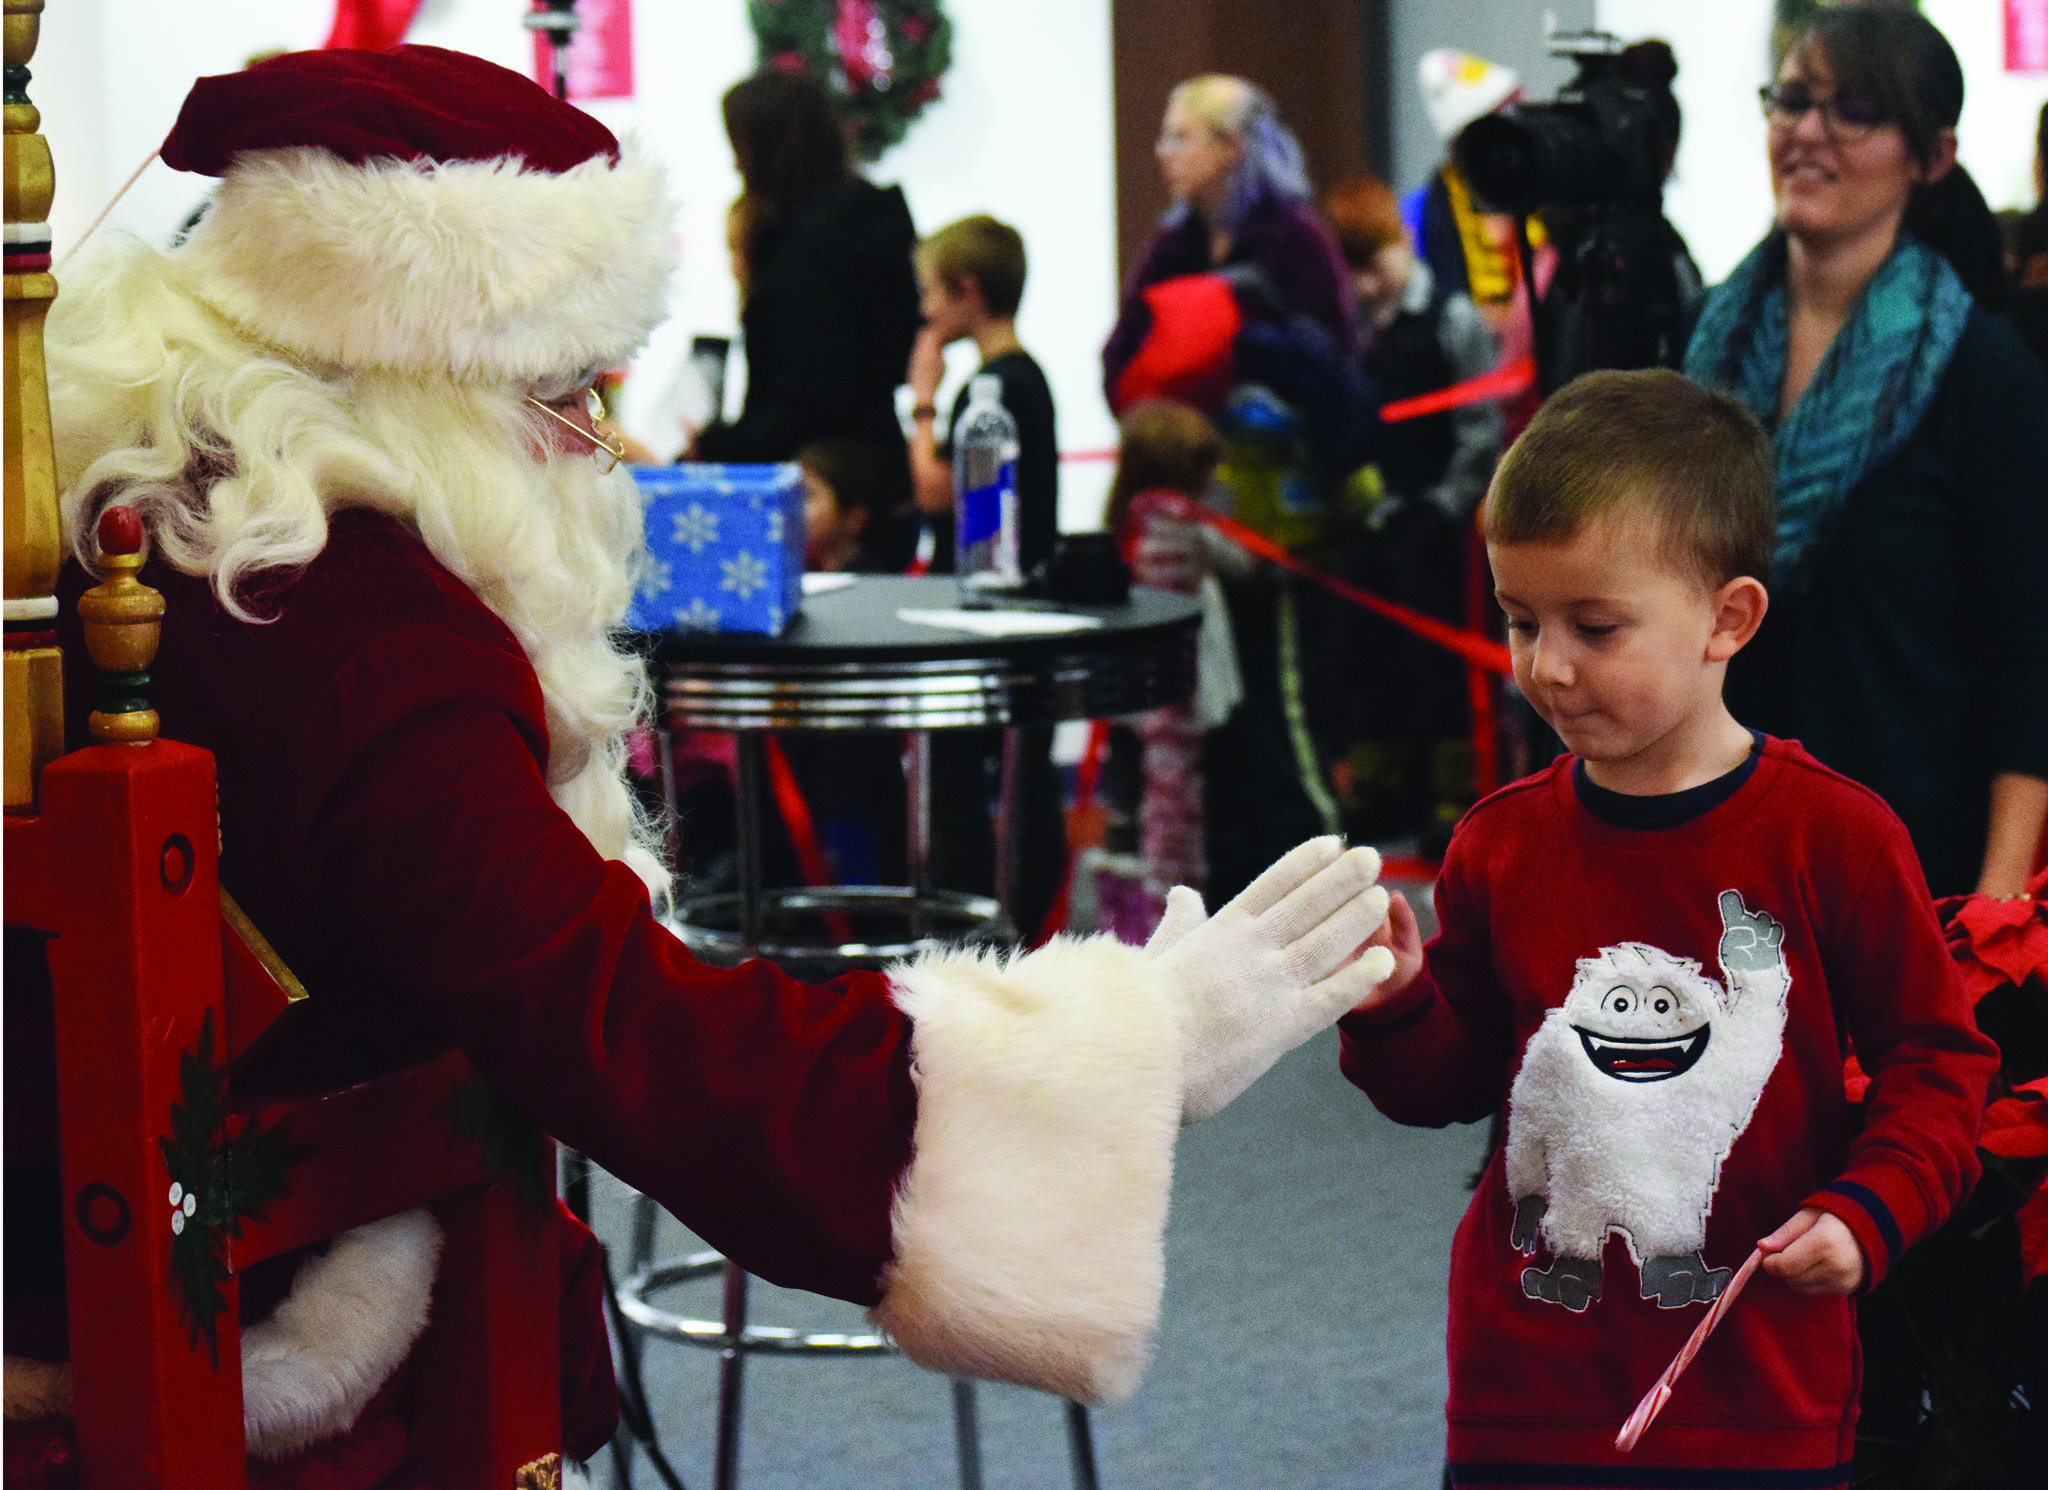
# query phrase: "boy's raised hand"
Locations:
[[927, 366], [1814, 1253], [1402, 937], [1278, 963]]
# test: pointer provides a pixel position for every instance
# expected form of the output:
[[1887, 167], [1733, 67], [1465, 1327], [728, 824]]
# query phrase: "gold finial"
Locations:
[[34, 708], [123, 621]]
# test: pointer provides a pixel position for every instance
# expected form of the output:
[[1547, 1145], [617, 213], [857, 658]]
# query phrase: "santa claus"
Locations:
[[350, 410]]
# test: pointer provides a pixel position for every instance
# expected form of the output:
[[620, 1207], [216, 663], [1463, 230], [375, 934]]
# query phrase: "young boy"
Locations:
[[1661, 1120], [972, 275]]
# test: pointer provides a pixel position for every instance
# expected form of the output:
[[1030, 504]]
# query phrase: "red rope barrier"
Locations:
[[1504, 382], [1479, 650], [1478, 688], [803, 831], [1499, 383]]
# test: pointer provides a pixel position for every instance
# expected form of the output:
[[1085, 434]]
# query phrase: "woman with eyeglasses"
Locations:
[[1241, 200], [1907, 644]]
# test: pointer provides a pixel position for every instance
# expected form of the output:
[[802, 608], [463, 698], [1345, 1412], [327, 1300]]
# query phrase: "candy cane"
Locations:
[[1654, 1400]]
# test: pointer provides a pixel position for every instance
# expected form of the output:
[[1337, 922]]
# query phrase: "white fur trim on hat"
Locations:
[[1458, 87], [469, 269], [1028, 1229], [311, 1367]]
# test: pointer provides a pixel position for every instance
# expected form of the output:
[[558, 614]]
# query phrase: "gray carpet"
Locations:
[[1301, 1344]]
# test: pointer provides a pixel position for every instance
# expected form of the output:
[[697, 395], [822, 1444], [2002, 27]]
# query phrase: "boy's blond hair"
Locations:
[[1649, 441], [979, 248]]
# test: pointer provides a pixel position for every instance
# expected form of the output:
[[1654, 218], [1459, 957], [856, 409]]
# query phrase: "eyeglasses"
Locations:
[[1847, 117], [607, 454]]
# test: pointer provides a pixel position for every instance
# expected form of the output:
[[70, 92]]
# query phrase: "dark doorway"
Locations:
[[1322, 60]]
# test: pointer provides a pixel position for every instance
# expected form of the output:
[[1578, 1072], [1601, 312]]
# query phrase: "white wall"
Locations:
[[1024, 130], [1720, 197], [1995, 137]]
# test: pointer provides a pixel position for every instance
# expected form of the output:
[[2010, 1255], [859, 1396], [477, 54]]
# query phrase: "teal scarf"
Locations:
[[1866, 398]]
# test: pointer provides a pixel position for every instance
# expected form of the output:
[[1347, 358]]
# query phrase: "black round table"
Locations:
[[851, 662]]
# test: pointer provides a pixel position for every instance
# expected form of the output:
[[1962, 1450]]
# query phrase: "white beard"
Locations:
[[551, 547], [146, 382]]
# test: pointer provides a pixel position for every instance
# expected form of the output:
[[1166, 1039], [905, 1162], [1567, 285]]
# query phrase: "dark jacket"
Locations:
[[1285, 241], [830, 316], [1917, 660]]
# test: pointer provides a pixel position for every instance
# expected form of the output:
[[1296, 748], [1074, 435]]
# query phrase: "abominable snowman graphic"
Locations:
[[1630, 1096]]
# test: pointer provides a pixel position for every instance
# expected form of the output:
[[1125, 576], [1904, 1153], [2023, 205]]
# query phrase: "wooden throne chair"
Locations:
[[175, 1178]]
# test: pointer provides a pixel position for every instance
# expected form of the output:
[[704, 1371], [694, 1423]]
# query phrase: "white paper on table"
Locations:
[[824, 581], [1001, 622]]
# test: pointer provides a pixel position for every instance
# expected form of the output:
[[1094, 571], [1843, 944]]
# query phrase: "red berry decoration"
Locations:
[[120, 531]]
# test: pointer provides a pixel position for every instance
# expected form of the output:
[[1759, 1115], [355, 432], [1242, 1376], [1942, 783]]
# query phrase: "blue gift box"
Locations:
[[725, 547]]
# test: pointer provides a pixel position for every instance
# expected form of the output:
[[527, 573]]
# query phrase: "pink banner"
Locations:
[[600, 55], [2026, 35]]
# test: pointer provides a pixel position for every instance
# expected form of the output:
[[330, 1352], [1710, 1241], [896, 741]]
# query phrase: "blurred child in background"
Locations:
[[1154, 780], [971, 273], [852, 523], [1407, 760]]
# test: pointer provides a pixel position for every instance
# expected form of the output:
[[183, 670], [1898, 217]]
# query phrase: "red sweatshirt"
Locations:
[[1664, 1015]]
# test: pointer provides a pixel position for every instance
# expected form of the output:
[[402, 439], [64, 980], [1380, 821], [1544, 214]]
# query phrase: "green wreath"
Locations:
[[880, 59]]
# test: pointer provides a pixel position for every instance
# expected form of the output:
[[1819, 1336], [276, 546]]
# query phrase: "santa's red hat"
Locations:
[[420, 211]]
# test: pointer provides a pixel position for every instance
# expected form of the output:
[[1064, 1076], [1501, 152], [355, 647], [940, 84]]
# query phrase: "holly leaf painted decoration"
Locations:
[[881, 60], [218, 1179], [510, 1143]]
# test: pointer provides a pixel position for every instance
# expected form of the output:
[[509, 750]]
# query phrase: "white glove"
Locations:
[[1269, 969]]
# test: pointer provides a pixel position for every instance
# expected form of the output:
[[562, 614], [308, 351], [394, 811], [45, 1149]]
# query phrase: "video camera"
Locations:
[[1601, 142], [1593, 163]]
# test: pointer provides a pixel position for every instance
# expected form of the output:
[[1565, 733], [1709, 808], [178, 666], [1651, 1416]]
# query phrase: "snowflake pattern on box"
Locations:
[[696, 527], [743, 574], [725, 548]]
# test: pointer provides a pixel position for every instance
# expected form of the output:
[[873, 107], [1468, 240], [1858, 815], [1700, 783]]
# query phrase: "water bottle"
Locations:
[[985, 494]]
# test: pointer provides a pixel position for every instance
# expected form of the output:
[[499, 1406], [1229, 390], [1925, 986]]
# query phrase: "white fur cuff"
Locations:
[[1029, 1226], [311, 1367]]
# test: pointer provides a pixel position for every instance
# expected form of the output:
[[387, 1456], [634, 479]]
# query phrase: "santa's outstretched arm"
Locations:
[[979, 1147]]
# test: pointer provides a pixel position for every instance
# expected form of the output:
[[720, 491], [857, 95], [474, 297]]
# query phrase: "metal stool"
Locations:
[[753, 922]]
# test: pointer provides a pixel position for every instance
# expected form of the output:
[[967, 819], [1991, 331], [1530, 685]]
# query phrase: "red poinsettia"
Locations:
[[2016, 1127], [1996, 942], [1999, 944]]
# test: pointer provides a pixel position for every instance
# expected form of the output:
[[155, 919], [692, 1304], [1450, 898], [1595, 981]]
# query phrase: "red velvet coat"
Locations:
[[979, 1147], [385, 821]]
